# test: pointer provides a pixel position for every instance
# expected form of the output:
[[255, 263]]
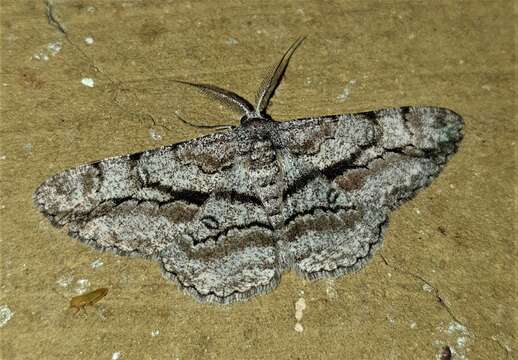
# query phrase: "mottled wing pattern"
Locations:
[[355, 169], [225, 253], [174, 204]]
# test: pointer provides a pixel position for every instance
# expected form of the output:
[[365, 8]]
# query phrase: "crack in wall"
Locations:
[[51, 17], [442, 302], [439, 298], [507, 349], [54, 21]]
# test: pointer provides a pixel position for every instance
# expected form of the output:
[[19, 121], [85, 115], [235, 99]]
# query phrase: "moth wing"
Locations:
[[226, 253], [124, 203], [361, 167], [174, 204]]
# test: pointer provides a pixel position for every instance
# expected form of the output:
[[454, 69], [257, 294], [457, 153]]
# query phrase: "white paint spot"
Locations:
[[81, 286], [41, 56], [5, 315], [347, 90], [91, 9], [97, 263], [298, 327], [456, 327], [413, 324], [65, 280], [417, 211], [3, 157], [331, 289], [89, 82], [89, 40], [116, 355], [231, 41], [54, 48], [486, 87], [155, 333], [427, 288], [300, 305], [154, 135]]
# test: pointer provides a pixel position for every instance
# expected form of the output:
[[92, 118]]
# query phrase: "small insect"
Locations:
[[90, 298]]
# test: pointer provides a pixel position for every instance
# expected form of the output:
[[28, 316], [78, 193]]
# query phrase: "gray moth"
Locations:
[[226, 214]]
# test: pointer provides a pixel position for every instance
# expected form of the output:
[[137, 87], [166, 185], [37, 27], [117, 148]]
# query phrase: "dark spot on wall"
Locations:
[[29, 79], [149, 32], [445, 353]]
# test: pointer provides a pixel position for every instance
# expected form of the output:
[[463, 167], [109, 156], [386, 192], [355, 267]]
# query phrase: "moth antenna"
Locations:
[[274, 77], [217, 127], [226, 97]]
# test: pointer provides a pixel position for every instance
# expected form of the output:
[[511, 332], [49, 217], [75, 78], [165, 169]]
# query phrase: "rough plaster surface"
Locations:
[[445, 276]]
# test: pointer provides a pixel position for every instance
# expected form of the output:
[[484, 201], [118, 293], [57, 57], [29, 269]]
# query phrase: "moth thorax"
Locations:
[[265, 175], [262, 153]]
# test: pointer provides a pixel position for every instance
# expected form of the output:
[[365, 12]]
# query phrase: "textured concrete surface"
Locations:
[[96, 82]]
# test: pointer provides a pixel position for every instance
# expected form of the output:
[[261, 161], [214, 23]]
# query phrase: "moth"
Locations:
[[226, 214]]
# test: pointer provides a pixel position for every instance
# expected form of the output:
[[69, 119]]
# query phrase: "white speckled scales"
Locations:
[[227, 213]]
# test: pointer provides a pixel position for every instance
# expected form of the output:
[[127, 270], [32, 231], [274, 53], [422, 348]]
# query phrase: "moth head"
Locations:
[[255, 119]]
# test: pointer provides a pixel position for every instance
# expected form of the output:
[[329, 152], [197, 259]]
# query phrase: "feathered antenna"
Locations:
[[226, 97], [274, 78], [264, 94]]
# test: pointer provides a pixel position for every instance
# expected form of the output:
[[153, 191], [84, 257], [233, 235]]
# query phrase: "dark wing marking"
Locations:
[[187, 170], [341, 142], [364, 165], [226, 253]]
